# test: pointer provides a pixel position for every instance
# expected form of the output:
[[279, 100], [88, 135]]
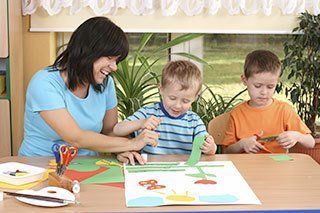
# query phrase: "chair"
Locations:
[[217, 127]]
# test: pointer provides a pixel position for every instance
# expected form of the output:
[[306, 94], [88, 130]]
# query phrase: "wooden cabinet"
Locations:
[[3, 29], [11, 61], [5, 134], [5, 130]]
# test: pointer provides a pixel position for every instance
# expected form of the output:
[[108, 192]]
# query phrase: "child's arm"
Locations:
[[288, 139], [125, 128], [209, 147]]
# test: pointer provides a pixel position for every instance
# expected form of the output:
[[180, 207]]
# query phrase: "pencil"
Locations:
[[40, 197]]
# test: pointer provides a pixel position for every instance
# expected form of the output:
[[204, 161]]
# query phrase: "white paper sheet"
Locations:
[[175, 183]]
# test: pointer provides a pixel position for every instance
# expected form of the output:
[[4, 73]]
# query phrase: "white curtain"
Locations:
[[171, 7]]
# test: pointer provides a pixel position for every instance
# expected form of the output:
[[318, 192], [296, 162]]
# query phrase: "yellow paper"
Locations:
[[28, 185]]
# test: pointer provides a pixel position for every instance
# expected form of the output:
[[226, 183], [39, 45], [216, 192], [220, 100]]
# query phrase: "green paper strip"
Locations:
[[281, 157], [196, 151], [153, 164], [156, 170]]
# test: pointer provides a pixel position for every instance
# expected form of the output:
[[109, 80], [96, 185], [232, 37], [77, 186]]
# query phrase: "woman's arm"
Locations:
[[65, 126]]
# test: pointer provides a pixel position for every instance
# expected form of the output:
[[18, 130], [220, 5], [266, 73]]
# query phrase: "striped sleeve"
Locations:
[[140, 114]]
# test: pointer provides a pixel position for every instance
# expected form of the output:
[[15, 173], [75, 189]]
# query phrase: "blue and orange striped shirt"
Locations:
[[176, 134]]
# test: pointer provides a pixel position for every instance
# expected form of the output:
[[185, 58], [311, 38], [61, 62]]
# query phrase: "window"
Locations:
[[224, 52]]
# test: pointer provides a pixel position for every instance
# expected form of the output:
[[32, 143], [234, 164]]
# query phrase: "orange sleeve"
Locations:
[[230, 134], [294, 123]]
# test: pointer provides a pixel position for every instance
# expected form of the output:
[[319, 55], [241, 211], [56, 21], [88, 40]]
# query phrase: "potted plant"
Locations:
[[302, 62]]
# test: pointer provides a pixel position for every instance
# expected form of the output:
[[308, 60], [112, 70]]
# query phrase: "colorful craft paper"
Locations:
[[206, 183], [281, 157], [196, 150], [95, 170], [28, 185]]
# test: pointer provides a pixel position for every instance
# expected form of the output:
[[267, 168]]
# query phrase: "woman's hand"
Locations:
[[150, 123], [144, 138], [209, 147], [129, 157]]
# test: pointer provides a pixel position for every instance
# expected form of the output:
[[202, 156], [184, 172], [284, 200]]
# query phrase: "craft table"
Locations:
[[281, 187]]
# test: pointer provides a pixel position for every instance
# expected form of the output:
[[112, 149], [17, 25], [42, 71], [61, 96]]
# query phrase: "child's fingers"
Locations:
[[260, 146], [204, 149], [206, 145], [155, 120], [254, 150]]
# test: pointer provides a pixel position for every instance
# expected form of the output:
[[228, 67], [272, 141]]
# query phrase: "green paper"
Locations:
[[113, 174], [156, 170], [281, 157], [84, 164], [196, 151]]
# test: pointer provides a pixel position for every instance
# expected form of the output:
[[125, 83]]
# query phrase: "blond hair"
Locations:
[[183, 72], [260, 61]]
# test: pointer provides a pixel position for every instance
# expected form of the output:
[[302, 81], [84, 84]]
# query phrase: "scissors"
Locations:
[[67, 154], [266, 139], [56, 151]]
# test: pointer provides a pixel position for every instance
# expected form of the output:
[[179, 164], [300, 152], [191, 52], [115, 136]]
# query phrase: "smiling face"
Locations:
[[176, 101], [103, 67], [261, 87]]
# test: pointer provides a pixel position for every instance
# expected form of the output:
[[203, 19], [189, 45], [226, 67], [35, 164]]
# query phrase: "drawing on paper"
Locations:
[[177, 183]]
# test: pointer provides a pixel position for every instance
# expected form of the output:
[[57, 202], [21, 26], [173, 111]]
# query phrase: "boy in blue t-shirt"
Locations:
[[172, 118]]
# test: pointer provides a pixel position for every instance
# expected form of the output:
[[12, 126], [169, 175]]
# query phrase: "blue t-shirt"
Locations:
[[176, 133], [48, 91]]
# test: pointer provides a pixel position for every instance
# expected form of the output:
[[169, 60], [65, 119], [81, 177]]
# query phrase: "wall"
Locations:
[[39, 50]]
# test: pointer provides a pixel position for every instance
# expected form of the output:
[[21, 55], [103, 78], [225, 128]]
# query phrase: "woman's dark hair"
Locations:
[[96, 37]]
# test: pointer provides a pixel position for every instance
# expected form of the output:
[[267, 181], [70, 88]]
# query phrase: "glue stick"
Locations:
[[75, 186], [144, 157]]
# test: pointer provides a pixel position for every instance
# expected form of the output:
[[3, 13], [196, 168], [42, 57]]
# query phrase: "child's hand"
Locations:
[[251, 145], [150, 123], [209, 147], [288, 139], [144, 138]]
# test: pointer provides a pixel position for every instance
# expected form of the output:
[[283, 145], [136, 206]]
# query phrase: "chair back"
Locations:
[[218, 126]]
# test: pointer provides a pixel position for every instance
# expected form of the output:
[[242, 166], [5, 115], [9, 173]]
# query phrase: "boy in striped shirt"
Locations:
[[172, 118]]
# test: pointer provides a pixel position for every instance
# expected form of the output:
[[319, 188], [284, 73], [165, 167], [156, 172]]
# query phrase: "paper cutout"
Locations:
[[204, 181], [117, 185], [95, 170], [281, 157], [81, 176], [193, 186], [28, 185], [151, 184], [108, 163], [196, 151]]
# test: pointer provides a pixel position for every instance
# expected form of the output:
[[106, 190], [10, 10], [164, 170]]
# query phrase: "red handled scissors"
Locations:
[[67, 154], [264, 140]]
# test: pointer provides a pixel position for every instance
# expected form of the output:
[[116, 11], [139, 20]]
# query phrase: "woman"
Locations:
[[74, 100]]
